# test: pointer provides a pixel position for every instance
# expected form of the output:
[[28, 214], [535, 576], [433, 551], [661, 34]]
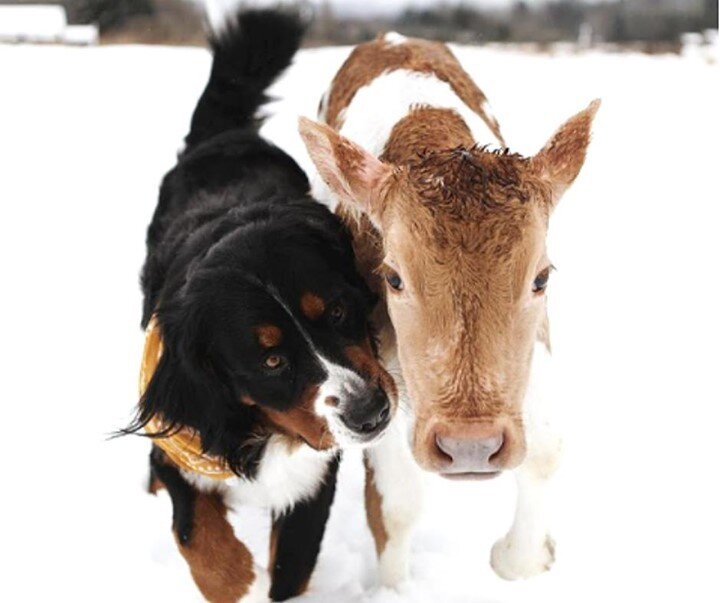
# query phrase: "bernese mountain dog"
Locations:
[[259, 363]]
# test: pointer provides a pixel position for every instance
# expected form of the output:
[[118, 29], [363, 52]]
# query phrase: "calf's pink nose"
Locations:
[[470, 455]]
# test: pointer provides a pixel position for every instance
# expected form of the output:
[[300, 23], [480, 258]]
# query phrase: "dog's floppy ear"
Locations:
[[188, 388], [183, 389]]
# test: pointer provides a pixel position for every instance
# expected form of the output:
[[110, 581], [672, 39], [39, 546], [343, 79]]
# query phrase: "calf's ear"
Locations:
[[353, 174], [560, 160]]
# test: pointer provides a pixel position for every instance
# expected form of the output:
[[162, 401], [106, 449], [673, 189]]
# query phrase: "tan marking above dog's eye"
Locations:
[[268, 336], [312, 305]]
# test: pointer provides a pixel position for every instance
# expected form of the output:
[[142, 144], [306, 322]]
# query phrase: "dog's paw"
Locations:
[[512, 561], [260, 589]]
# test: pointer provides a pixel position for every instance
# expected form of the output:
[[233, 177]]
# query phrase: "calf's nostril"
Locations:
[[442, 447], [441, 451]]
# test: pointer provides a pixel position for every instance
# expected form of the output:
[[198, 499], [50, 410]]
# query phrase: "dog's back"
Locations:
[[225, 162]]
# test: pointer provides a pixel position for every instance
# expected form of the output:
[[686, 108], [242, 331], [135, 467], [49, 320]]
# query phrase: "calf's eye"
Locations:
[[541, 281], [393, 279]]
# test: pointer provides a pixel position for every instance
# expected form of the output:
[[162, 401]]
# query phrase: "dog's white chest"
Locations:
[[287, 475]]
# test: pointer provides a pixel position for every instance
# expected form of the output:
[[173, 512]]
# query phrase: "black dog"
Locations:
[[267, 359]]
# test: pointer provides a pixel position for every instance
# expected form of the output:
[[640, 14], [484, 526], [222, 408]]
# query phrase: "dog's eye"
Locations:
[[541, 281], [393, 279], [274, 362], [336, 313]]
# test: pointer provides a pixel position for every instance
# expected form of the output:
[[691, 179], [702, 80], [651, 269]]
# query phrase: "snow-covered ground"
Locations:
[[85, 136]]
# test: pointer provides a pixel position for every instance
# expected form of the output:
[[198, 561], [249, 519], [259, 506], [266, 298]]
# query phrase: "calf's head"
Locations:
[[460, 237]]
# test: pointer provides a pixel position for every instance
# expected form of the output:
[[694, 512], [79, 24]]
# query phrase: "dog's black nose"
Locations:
[[367, 414]]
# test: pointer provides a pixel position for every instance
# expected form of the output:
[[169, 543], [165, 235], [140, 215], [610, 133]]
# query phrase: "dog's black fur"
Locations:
[[298, 535], [234, 237], [234, 244]]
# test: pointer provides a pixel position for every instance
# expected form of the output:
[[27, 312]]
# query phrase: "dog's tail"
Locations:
[[249, 53]]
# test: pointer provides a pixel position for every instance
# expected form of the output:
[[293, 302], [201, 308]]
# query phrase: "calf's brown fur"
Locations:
[[465, 229], [450, 231]]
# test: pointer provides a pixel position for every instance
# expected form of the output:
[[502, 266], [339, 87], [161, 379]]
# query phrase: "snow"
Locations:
[[86, 137]]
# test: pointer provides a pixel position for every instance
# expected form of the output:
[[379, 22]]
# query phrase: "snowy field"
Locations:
[[85, 136]]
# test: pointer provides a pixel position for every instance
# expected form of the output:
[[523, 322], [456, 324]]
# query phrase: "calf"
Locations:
[[451, 235]]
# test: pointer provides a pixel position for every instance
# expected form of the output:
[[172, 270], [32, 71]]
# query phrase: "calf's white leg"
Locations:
[[527, 549]]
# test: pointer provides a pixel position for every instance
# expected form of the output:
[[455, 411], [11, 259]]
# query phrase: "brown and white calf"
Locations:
[[452, 236]]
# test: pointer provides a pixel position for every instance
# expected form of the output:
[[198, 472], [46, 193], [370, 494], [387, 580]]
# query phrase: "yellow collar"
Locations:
[[184, 447]]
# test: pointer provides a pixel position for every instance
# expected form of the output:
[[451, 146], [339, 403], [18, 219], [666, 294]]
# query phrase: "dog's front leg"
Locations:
[[528, 549], [393, 501], [220, 564], [296, 537]]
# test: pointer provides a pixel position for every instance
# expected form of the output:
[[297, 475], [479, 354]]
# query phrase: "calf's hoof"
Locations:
[[512, 561], [394, 570]]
